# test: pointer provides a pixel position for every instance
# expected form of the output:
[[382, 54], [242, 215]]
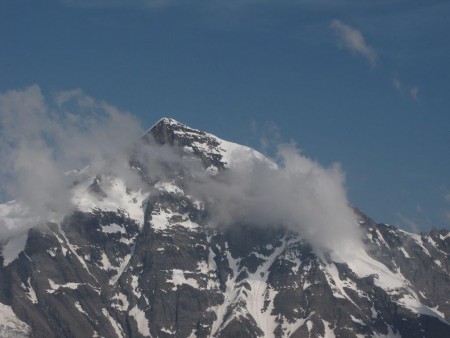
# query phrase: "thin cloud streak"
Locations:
[[353, 40]]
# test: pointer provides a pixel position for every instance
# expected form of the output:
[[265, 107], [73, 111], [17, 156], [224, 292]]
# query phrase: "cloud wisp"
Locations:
[[412, 91], [41, 140], [397, 84], [299, 194], [353, 40]]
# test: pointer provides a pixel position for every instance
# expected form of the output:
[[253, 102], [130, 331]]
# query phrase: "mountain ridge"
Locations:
[[146, 263]]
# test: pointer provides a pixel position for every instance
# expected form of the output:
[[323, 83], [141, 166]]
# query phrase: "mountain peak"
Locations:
[[215, 153], [165, 130], [167, 121]]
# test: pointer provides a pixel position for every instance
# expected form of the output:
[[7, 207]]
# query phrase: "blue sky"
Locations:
[[364, 83]]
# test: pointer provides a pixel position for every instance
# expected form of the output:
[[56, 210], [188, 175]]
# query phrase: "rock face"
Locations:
[[146, 263]]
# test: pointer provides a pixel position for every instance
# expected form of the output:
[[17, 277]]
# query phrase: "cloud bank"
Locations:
[[43, 139], [353, 40]]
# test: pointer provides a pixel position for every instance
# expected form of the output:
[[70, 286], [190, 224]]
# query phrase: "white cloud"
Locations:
[[300, 194], [42, 140], [354, 41], [414, 93], [397, 84]]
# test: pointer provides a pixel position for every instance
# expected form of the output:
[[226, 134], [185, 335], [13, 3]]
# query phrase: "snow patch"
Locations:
[[405, 253], [120, 302], [374, 312], [119, 197], [435, 309], [55, 287], [234, 155], [329, 333], [178, 278], [162, 219], [363, 266], [114, 324], [290, 328], [202, 267], [52, 252], [135, 286], [357, 320], [31, 294], [113, 228], [80, 308], [390, 334], [72, 249], [381, 238], [211, 262], [411, 303], [259, 300], [337, 284], [10, 325], [419, 241], [442, 237], [141, 320], [123, 264], [231, 295], [168, 331], [73, 286], [106, 264], [169, 187]]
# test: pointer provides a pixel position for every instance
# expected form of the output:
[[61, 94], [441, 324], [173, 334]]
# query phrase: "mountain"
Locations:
[[146, 262]]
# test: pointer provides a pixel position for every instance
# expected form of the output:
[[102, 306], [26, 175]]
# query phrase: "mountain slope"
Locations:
[[146, 262]]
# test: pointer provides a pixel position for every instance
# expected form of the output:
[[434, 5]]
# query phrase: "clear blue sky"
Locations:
[[365, 83]]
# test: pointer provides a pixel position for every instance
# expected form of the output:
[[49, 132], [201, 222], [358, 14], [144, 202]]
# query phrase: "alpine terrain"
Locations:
[[147, 262]]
